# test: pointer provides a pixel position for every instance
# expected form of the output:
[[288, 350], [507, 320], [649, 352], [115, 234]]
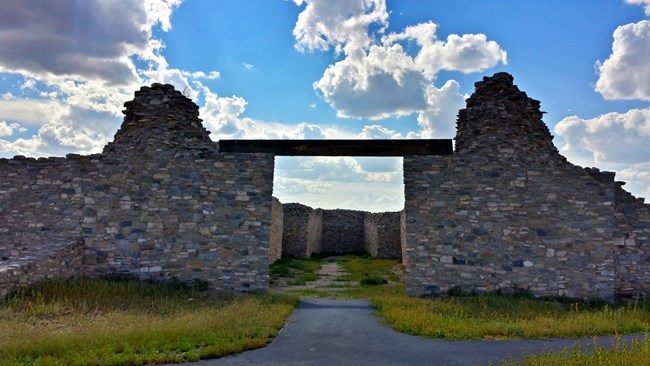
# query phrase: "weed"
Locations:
[[373, 281], [635, 353]]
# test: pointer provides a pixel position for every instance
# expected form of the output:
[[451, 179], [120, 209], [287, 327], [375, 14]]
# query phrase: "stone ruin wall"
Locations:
[[277, 221], [383, 235], [507, 210], [310, 231], [343, 231], [315, 231], [403, 241], [159, 203], [301, 225]]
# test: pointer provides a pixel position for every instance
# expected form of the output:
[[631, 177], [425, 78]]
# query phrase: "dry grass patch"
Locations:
[[127, 322], [636, 353], [506, 317]]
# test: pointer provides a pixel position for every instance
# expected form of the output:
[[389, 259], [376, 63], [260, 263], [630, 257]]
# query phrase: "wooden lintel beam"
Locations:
[[339, 147]]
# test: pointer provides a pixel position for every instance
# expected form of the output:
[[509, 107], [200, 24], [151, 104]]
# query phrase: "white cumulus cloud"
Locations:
[[342, 24], [377, 78], [625, 73], [612, 138]]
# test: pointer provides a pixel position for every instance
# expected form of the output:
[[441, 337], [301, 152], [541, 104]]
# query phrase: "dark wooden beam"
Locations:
[[339, 147]]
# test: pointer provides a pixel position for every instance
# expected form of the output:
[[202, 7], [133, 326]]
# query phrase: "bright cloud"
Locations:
[[331, 182], [638, 178], [377, 78], [82, 60], [378, 132], [342, 24], [6, 129], [613, 138], [93, 42], [625, 74]]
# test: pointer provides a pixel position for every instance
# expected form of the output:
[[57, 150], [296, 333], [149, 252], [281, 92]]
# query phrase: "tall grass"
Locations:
[[636, 353], [490, 316], [115, 323], [505, 317]]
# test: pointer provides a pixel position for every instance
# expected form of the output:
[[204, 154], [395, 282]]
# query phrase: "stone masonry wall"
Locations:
[[299, 231], [382, 234], [159, 203], [343, 231], [346, 231], [632, 245], [315, 232], [507, 210], [403, 241], [277, 221]]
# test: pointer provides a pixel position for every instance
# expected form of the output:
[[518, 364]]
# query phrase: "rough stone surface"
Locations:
[[507, 210], [310, 231], [343, 231], [300, 231], [159, 203], [403, 241], [277, 221], [382, 234]]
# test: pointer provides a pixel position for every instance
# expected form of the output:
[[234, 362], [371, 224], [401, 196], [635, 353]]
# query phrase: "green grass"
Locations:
[[491, 316], [505, 317], [370, 271], [83, 322], [300, 270], [303, 279], [636, 353]]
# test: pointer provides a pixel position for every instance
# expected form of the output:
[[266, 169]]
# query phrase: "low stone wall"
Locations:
[[300, 230], [277, 221], [308, 231], [315, 232], [59, 260], [343, 231], [403, 241], [382, 234]]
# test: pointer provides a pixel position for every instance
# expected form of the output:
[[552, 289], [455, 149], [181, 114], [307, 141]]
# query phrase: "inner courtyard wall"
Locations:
[[382, 234], [343, 231]]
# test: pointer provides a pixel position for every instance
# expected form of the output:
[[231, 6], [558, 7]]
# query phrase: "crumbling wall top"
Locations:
[[160, 118], [499, 118]]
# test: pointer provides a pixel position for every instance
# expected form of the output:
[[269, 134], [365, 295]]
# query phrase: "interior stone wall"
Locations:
[[310, 231], [315, 232], [403, 241], [343, 231], [382, 234], [277, 221], [301, 225]]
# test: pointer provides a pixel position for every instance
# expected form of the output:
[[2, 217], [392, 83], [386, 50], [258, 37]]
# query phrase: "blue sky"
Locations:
[[329, 69]]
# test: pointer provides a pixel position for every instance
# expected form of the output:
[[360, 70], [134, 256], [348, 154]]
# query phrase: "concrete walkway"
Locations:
[[345, 332]]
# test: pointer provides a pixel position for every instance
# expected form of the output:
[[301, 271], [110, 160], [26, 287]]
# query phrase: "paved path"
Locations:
[[344, 332]]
